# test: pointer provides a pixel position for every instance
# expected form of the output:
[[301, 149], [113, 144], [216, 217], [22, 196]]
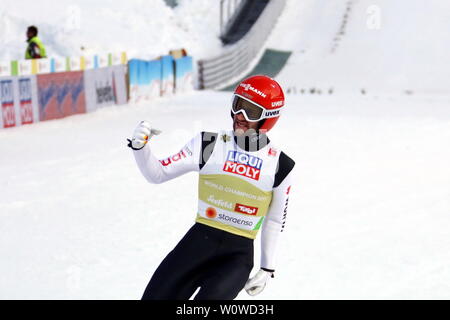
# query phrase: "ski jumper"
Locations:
[[240, 191]]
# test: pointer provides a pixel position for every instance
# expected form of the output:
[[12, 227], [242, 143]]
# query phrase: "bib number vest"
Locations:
[[235, 188]]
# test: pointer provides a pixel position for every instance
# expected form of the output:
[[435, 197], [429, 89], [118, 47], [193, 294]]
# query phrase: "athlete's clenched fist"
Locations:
[[141, 135], [257, 284]]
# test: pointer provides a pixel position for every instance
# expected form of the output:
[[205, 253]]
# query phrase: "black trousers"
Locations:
[[216, 261]]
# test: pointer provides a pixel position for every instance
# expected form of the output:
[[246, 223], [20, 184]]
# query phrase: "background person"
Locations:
[[35, 48]]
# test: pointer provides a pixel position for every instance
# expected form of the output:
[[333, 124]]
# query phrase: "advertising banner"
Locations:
[[43, 65], [5, 68], [88, 62], [75, 63], [116, 58], [25, 67], [61, 94], [18, 99], [154, 78], [133, 79], [105, 87], [7, 102], [27, 99], [102, 61], [184, 74], [58, 65], [167, 76], [145, 79]]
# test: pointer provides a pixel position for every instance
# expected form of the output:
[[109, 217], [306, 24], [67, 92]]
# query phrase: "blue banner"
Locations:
[[167, 75], [145, 79], [184, 72]]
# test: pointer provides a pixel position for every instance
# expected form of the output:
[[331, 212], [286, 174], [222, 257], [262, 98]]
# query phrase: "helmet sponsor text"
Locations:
[[272, 113], [248, 87], [277, 103]]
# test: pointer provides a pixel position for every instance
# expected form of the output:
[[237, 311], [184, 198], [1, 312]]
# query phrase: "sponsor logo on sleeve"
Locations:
[[252, 211], [188, 151], [177, 157], [243, 164], [284, 214], [288, 190]]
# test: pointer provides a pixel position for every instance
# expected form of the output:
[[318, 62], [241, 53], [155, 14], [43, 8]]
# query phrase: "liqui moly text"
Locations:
[[243, 164]]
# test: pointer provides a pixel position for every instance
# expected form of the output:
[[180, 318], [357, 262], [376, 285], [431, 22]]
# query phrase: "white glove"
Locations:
[[257, 284], [141, 135]]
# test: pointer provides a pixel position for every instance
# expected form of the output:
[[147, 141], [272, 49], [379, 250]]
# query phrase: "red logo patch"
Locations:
[[272, 152], [180, 155], [251, 211], [211, 213]]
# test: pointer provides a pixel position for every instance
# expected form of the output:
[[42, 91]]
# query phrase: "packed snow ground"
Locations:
[[368, 216], [369, 211]]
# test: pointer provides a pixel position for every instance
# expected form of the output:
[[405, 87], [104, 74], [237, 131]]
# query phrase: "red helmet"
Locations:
[[263, 92]]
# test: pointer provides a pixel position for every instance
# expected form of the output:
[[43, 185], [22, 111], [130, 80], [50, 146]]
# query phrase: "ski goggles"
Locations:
[[252, 112]]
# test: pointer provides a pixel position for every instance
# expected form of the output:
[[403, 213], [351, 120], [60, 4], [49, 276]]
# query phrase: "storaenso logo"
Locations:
[[248, 87], [105, 93], [235, 220]]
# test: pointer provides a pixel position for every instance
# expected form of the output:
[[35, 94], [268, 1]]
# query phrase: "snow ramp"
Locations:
[[358, 46]]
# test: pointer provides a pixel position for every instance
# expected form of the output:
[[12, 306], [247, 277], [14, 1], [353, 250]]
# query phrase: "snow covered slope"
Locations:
[[144, 29], [379, 45]]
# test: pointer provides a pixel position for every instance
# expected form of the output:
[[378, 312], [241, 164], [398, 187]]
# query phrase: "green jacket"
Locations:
[[35, 49]]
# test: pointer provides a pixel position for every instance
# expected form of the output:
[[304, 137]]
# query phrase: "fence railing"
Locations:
[[218, 71], [229, 10]]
